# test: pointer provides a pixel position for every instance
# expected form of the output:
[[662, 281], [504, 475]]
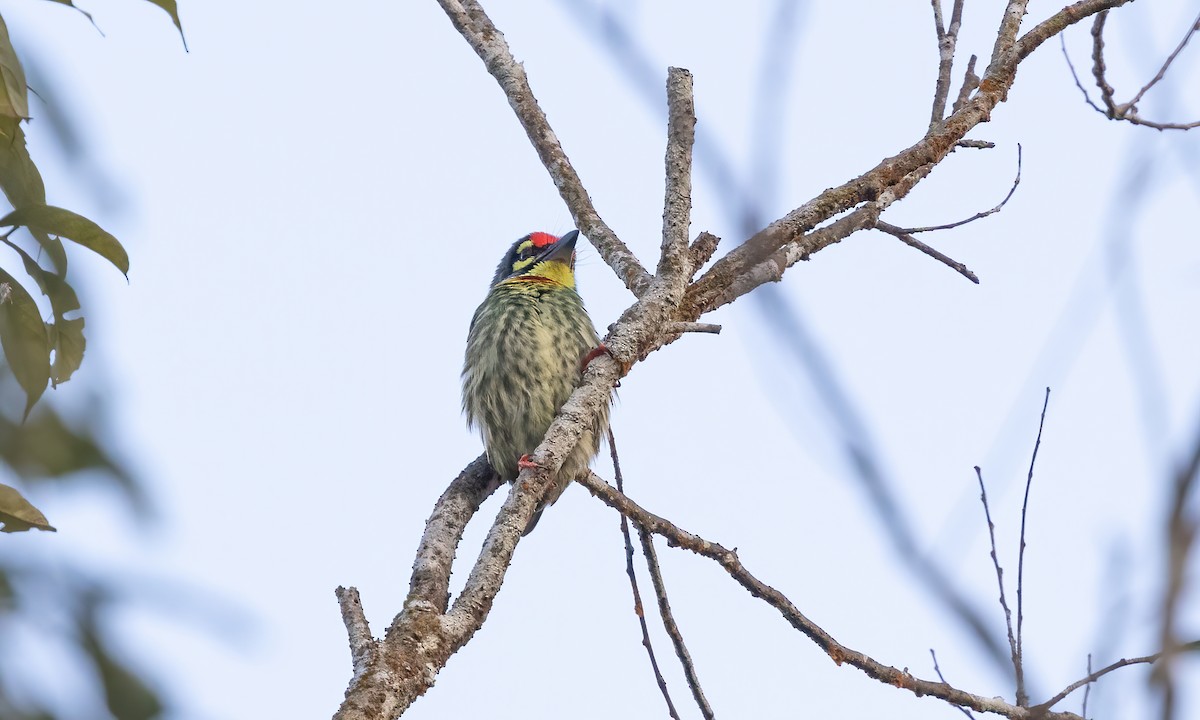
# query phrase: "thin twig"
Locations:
[[1062, 41], [970, 83], [1087, 690], [1021, 557], [901, 235], [1098, 68], [947, 38], [1128, 111], [942, 677], [1162, 71], [1093, 677], [638, 608], [1012, 640], [728, 559], [693, 327], [976, 144], [664, 605], [978, 215]]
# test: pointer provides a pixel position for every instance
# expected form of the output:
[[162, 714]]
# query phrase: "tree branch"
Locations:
[[488, 43], [947, 39], [837, 652], [638, 608]]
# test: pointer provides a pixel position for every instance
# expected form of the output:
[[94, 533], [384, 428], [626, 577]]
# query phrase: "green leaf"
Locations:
[[14, 93], [17, 514], [56, 221], [170, 7], [69, 345], [24, 338], [22, 184], [66, 336]]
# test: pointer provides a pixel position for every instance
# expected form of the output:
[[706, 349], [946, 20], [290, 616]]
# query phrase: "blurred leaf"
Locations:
[[17, 514], [44, 448], [173, 11], [22, 184], [14, 93], [128, 698], [23, 336], [66, 336], [69, 3], [56, 221]]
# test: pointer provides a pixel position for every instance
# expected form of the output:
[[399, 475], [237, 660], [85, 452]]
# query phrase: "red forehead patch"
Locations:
[[541, 239]]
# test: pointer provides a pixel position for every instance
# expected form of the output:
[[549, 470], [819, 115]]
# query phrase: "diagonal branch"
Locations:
[[837, 652], [888, 181], [488, 42]]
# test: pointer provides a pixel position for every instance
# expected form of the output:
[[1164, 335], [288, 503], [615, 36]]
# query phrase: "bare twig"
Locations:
[[638, 608], [1098, 68], [677, 206], [1128, 111], [1093, 677], [1012, 640], [947, 39], [694, 327], [1020, 660], [668, 618], [907, 239], [702, 249], [941, 677], [1087, 689], [1162, 71], [489, 44], [969, 85], [362, 643], [1062, 41], [837, 652], [664, 605], [978, 215]]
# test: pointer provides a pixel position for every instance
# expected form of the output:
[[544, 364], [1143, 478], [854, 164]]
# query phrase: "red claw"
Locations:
[[524, 463], [596, 352]]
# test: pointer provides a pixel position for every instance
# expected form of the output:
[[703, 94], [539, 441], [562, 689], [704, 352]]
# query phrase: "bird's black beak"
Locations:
[[563, 250]]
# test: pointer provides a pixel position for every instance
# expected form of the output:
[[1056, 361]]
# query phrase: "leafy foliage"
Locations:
[[42, 337]]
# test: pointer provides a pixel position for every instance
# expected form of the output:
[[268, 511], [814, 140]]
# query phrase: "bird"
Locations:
[[527, 346]]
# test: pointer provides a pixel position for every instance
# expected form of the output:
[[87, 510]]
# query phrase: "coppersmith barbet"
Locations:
[[525, 353]]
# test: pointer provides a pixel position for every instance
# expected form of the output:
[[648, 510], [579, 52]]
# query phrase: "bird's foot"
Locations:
[[599, 350], [524, 463]]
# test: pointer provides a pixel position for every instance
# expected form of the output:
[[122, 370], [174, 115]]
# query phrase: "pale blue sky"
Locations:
[[314, 198]]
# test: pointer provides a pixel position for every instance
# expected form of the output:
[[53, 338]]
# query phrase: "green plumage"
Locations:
[[523, 357]]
